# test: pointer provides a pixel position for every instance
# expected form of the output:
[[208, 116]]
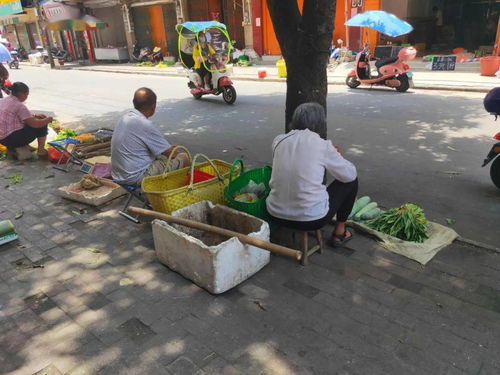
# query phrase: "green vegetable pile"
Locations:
[[66, 133], [364, 209], [407, 222]]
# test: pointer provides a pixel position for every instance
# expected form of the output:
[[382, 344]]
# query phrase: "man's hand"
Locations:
[[40, 116]]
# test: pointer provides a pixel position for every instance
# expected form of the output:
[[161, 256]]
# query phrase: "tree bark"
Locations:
[[305, 41]]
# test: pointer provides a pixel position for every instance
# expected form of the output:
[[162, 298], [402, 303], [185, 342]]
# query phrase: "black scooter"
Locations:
[[493, 156], [14, 63]]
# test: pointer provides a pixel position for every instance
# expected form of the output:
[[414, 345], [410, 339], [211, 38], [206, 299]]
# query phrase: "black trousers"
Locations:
[[341, 196], [202, 71], [24, 136]]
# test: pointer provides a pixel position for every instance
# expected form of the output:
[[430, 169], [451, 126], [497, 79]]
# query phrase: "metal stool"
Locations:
[[63, 146], [133, 192]]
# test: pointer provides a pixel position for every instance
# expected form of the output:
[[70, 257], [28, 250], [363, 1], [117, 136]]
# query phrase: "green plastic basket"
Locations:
[[257, 175]]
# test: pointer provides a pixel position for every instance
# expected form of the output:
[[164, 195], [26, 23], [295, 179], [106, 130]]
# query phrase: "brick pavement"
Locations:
[[102, 304]]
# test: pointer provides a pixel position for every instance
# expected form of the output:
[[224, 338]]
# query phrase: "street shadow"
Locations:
[[103, 303], [406, 147]]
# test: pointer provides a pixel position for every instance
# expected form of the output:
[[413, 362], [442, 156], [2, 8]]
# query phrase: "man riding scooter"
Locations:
[[201, 54]]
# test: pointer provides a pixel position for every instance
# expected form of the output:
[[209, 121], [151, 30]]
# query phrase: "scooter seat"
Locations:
[[381, 62]]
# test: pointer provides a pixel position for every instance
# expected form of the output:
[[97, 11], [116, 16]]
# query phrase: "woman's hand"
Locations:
[[339, 150]]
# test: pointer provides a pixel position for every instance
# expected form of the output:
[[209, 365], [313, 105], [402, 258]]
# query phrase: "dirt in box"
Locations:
[[218, 217]]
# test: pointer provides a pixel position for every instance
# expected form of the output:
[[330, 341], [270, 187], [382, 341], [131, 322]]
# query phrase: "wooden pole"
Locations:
[[273, 248]]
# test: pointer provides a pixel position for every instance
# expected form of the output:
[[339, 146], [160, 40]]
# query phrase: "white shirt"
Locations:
[[300, 159]]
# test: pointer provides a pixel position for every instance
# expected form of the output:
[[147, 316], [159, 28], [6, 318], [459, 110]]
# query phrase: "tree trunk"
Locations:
[[305, 41]]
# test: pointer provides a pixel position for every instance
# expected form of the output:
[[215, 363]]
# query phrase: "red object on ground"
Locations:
[[489, 65], [199, 176], [262, 74], [54, 155], [497, 137]]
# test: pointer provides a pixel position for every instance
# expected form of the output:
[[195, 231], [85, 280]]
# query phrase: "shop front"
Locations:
[[442, 26], [154, 26], [229, 12], [352, 37], [22, 30]]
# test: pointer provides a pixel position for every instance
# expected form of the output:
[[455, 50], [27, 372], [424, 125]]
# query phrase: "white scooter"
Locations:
[[220, 84]]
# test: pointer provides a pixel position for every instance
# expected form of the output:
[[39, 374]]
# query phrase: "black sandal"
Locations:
[[342, 239]]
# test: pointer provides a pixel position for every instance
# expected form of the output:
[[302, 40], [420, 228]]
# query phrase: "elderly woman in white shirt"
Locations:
[[299, 199]]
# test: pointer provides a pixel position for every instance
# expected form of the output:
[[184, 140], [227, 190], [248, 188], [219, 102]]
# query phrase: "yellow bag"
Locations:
[[169, 192]]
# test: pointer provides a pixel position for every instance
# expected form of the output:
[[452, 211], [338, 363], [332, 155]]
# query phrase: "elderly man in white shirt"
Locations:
[[299, 199]]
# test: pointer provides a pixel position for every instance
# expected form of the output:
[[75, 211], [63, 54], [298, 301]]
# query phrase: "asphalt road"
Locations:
[[421, 147]]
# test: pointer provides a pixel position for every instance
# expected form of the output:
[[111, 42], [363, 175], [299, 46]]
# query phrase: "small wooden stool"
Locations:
[[306, 251]]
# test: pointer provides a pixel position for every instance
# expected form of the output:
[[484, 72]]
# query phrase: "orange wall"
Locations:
[[157, 27], [340, 30], [271, 45], [369, 35]]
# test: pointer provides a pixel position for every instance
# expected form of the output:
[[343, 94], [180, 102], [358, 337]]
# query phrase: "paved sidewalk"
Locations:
[[460, 80], [103, 304]]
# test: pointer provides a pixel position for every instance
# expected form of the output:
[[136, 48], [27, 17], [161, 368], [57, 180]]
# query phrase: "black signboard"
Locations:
[[384, 52], [444, 62]]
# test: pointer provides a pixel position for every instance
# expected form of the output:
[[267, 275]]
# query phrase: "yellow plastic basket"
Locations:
[[169, 192]]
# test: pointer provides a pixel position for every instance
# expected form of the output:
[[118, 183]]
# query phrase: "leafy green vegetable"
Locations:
[[15, 178], [450, 222], [66, 133], [407, 222]]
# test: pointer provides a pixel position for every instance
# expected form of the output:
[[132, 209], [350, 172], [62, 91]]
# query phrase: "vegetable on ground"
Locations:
[[407, 222], [358, 205], [370, 206]]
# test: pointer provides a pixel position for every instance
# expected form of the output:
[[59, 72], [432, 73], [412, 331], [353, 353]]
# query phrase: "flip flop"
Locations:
[[342, 239]]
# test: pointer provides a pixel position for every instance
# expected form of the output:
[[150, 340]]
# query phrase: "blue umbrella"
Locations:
[[4, 54], [386, 23]]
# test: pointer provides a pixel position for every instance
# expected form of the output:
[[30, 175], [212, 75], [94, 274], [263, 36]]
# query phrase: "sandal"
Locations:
[[339, 240]]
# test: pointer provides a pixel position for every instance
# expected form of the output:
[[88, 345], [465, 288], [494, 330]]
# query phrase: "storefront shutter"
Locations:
[[170, 20], [198, 10], [142, 28]]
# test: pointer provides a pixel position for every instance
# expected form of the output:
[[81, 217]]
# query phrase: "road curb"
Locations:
[[477, 244], [283, 80], [273, 80]]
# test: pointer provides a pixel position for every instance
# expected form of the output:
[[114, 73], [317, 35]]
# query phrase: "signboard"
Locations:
[[58, 11], [8, 7], [444, 62]]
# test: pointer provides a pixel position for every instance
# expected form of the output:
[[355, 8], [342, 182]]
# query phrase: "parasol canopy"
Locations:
[[87, 22], [4, 54], [383, 22]]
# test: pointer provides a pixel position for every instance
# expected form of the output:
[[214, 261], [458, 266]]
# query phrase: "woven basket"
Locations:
[[169, 192]]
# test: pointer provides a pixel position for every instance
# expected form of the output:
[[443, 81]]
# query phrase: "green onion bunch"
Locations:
[[407, 222]]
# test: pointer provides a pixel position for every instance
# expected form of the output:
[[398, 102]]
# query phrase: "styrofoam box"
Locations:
[[215, 263]]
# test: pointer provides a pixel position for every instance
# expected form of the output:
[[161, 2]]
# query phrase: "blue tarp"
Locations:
[[196, 27]]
